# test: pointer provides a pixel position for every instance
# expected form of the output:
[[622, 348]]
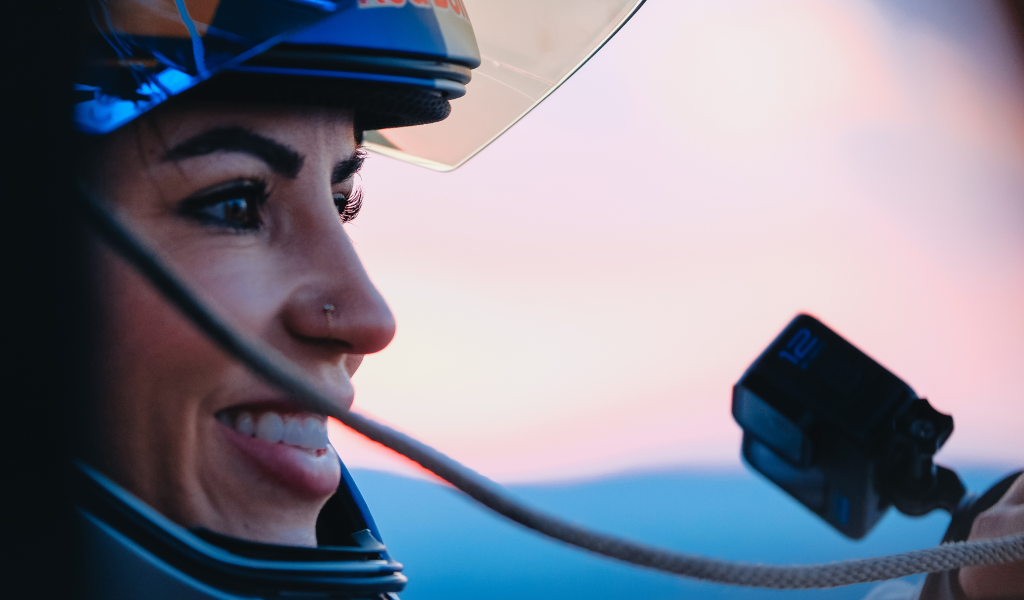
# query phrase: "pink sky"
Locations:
[[580, 298]]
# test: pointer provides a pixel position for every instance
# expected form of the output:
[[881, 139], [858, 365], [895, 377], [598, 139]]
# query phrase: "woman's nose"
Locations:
[[337, 306]]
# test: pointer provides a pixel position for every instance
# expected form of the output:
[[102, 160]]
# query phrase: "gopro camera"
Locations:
[[840, 433]]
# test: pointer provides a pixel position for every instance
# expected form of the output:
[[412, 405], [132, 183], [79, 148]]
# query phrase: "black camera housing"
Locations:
[[839, 432]]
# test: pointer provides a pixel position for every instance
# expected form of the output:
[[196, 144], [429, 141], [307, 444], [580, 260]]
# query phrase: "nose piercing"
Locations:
[[329, 313]]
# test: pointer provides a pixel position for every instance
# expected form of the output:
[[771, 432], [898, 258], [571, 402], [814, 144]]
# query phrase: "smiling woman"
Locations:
[[227, 136], [238, 166], [249, 202]]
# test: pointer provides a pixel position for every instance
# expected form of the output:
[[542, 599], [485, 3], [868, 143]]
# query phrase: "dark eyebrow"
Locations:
[[348, 167], [279, 157]]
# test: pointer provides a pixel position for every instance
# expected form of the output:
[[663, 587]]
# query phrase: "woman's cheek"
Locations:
[[156, 372], [245, 281], [155, 359]]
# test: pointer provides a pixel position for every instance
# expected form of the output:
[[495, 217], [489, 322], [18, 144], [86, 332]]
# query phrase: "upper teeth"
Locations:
[[308, 432]]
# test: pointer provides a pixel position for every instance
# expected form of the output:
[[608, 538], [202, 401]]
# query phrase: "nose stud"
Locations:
[[329, 313]]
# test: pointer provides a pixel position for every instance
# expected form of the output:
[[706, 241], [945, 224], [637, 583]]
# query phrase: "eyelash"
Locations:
[[350, 205], [254, 194], [204, 207]]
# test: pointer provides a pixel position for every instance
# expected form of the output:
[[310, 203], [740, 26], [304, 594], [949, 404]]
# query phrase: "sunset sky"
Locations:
[[578, 299]]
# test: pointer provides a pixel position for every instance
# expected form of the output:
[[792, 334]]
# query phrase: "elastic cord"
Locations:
[[270, 365]]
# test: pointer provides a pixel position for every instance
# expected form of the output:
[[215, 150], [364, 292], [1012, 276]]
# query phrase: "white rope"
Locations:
[[848, 572], [279, 371]]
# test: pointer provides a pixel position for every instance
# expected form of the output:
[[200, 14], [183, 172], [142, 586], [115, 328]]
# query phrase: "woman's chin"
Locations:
[[309, 474]]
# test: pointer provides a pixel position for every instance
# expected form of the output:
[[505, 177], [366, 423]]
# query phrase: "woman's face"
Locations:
[[247, 203]]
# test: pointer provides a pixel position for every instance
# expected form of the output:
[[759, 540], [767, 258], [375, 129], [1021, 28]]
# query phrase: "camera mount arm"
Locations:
[[911, 480]]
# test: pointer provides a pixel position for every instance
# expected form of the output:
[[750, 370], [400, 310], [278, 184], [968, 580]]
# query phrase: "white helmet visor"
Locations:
[[528, 48]]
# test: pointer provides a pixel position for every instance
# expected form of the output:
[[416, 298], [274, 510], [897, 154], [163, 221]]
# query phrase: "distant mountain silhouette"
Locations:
[[454, 550]]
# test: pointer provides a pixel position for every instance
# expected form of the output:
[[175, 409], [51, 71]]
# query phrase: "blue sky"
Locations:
[[453, 550]]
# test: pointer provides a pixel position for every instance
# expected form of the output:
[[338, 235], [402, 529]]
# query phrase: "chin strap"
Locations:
[[280, 372]]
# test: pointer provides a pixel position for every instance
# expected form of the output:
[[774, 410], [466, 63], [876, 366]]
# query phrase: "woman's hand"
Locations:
[[1006, 517]]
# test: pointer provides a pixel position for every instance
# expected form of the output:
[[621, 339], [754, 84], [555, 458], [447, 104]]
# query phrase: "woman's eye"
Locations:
[[236, 206], [349, 204]]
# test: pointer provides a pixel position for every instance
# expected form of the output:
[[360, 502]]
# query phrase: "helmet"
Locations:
[[133, 551], [395, 67], [396, 64]]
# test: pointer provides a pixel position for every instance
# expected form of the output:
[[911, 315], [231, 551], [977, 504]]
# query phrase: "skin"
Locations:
[[158, 434], [1006, 517]]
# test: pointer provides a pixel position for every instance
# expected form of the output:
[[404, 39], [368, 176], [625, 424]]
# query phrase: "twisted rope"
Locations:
[[930, 560], [277, 370]]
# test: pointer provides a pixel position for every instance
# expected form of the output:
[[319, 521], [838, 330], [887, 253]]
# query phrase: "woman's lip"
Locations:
[[296, 469]]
